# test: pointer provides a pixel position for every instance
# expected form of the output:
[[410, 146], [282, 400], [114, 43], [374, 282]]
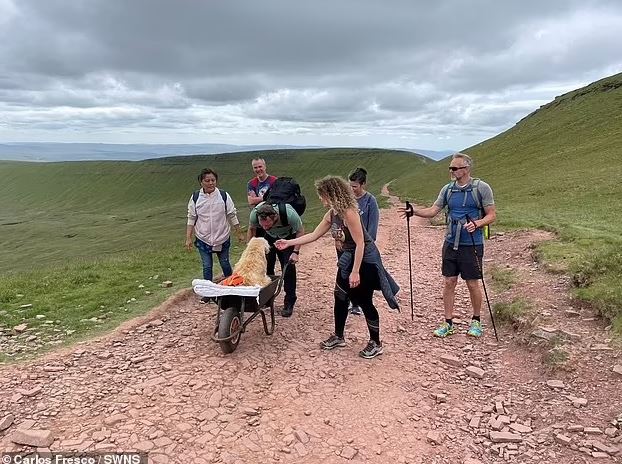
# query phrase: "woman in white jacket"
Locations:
[[211, 213]]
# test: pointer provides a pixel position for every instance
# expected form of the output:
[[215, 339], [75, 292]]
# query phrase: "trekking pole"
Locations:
[[481, 273], [410, 212]]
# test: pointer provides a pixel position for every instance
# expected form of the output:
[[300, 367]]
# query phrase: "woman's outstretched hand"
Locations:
[[281, 244]]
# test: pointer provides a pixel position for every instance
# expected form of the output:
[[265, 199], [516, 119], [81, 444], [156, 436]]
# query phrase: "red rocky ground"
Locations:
[[160, 385]]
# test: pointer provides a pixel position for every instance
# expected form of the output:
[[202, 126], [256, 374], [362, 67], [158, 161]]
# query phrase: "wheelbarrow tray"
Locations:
[[249, 303]]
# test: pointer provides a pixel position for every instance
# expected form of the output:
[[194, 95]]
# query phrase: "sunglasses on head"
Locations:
[[454, 168]]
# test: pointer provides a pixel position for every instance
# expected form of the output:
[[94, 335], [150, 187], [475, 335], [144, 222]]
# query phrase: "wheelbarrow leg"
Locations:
[[272, 321], [218, 314]]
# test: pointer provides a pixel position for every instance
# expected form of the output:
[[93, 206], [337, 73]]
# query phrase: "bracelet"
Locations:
[[296, 251]]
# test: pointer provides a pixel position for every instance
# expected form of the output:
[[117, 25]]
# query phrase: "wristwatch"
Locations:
[[296, 251]]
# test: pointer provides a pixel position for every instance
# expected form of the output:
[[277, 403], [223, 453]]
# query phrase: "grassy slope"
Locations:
[[56, 212], [557, 169], [80, 238]]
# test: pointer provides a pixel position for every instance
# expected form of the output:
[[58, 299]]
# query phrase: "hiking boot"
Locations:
[[372, 350], [356, 310], [475, 330], [333, 342], [445, 330], [287, 310]]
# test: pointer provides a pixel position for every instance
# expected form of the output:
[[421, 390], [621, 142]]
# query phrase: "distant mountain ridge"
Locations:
[[436, 155], [52, 151], [57, 151]]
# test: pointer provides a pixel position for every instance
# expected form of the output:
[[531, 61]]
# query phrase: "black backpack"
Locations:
[[286, 190]]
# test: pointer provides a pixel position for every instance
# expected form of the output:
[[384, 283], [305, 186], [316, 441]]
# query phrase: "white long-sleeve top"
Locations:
[[211, 220]]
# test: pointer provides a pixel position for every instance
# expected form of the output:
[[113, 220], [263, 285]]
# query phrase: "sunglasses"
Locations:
[[454, 168], [265, 216]]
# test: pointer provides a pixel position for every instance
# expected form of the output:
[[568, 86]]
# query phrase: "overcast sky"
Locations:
[[441, 74]]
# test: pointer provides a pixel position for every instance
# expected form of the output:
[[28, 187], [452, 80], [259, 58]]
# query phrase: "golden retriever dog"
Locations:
[[252, 264]]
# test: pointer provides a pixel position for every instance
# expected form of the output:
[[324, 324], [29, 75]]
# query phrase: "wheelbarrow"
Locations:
[[232, 308]]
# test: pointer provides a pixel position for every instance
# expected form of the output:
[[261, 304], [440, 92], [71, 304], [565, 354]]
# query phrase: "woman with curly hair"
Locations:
[[359, 268]]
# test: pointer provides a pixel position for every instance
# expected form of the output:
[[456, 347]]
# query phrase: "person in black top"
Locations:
[[360, 270]]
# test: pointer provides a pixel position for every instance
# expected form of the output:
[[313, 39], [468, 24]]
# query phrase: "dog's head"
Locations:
[[257, 244]]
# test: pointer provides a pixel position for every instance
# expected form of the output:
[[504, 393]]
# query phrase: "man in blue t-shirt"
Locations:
[[464, 197], [279, 221]]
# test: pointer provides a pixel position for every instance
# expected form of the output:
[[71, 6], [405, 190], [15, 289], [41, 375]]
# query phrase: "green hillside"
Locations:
[[87, 244], [555, 169], [52, 213]]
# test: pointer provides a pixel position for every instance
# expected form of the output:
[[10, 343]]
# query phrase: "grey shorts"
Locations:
[[462, 261]]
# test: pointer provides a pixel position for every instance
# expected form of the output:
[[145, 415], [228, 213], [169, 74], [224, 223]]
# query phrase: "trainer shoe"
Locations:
[[208, 299], [445, 330], [333, 342], [475, 330], [372, 350], [356, 310]]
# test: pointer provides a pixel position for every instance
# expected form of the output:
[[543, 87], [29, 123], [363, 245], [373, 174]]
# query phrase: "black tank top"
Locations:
[[340, 232]]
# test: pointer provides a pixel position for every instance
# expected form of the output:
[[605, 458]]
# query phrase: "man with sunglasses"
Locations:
[[463, 197], [279, 221]]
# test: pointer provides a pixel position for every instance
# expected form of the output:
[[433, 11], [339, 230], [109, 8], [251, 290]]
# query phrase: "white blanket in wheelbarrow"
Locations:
[[210, 289]]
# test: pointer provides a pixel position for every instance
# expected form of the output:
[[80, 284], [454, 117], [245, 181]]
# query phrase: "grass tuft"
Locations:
[[502, 278], [556, 358], [516, 312]]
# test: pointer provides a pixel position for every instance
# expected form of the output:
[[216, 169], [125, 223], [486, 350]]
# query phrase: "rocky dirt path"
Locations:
[[161, 386]]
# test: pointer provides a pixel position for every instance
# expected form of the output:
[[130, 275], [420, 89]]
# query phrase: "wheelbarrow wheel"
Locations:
[[230, 322]]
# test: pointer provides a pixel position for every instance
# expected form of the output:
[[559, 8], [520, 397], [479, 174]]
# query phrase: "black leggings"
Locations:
[[362, 296]]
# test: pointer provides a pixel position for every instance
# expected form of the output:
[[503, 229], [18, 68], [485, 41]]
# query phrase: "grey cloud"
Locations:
[[405, 96], [353, 66], [310, 105], [224, 90], [92, 91], [276, 37], [563, 52]]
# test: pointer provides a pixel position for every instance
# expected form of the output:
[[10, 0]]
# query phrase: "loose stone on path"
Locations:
[[505, 437], [6, 422], [555, 383], [33, 437], [476, 372]]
